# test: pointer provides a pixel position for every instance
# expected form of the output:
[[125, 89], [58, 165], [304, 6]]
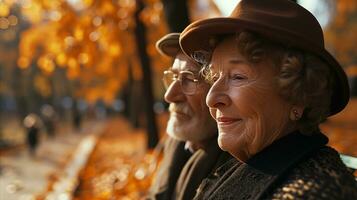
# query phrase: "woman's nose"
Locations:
[[217, 96], [174, 93]]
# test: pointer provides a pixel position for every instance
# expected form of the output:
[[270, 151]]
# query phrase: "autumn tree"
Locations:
[[177, 14], [141, 42], [96, 43], [340, 38]]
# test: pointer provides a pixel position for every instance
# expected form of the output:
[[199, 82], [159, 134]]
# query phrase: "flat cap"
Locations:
[[169, 45]]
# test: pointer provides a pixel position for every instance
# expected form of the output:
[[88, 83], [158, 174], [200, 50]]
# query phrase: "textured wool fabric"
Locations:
[[321, 177], [294, 167]]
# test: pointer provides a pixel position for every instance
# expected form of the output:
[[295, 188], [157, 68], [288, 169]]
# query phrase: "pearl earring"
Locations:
[[296, 114]]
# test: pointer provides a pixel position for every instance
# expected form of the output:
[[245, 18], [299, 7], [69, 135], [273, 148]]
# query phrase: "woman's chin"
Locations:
[[225, 141], [233, 145]]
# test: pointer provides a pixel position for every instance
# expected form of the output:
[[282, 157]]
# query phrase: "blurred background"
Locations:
[[81, 99]]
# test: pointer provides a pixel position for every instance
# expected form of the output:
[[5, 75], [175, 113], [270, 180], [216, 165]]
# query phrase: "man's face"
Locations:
[[190, 119]]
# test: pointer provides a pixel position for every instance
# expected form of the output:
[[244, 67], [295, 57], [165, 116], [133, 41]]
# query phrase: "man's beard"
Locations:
[[193, 129]]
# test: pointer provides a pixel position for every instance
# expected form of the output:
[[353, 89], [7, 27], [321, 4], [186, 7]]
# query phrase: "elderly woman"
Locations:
[[273, 83]]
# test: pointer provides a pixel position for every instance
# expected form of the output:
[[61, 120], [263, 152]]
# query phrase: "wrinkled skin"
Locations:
[[190, 119], [245, 103]]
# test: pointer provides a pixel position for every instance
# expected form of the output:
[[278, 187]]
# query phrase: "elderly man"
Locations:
[[191, 151]]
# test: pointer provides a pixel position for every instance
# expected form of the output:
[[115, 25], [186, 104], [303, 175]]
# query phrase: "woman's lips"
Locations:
[[226, 120]]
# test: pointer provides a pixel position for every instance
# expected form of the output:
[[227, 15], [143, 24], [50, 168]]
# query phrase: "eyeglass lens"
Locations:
[[187, 80]]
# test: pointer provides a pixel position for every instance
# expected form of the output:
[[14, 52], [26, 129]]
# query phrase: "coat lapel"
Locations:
[[175, 157], [253, 179], [196, 169]]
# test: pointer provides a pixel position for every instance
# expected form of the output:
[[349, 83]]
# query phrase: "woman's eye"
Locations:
[[237, 77]]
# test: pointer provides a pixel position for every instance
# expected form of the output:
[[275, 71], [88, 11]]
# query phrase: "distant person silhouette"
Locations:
[[49, 118], [31, 122], [76, 117]]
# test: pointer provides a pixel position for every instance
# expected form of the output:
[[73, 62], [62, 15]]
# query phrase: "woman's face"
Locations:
[[245, 103]]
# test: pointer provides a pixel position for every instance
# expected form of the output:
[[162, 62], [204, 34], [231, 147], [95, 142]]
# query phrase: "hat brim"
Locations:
[[169, 45], [198, 36]]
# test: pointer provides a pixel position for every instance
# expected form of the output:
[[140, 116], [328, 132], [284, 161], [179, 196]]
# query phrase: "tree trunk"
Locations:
[[176, 13], [141, 42]]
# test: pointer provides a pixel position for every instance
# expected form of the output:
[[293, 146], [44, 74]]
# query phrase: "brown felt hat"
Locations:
[[169, 45], [281, 21]]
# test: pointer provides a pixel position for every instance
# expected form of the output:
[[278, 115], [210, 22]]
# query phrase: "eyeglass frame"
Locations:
[[178, 77]]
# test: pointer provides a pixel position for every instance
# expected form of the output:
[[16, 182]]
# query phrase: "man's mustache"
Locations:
[[179, 108]]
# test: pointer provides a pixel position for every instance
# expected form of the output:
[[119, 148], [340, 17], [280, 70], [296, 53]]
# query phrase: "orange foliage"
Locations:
[[92, 40], [341, 34], [120, 167]]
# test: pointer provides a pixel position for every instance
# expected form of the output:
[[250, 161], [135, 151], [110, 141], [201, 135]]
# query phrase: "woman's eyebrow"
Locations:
[[237, 61]]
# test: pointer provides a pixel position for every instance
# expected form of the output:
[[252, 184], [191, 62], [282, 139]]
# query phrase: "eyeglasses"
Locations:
[[188, 80]]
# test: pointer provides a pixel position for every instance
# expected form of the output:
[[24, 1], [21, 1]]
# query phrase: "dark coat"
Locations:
[[175, 157], [32, 137], [294, 167], [180, 175]]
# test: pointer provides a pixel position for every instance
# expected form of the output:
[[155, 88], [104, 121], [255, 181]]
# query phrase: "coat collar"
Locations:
[[266, 167], [286, 151]]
